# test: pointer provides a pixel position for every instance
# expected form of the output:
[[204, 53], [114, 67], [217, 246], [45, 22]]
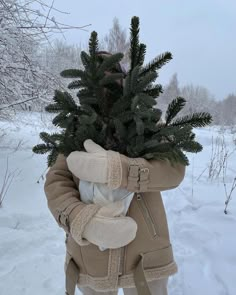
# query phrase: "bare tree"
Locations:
[[60, 56], [227, 111], [170, 92], [198, 99], [22, 28], [116, 41]]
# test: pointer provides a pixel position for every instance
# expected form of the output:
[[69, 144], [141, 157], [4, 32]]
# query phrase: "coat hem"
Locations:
[[125, 281]]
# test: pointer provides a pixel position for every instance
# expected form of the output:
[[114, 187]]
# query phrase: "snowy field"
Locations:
[[32, 245]]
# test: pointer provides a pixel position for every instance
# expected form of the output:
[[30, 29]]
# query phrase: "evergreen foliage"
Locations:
[[117, 110]]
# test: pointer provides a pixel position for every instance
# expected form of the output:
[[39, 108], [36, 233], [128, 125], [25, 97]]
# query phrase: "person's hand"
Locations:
[[107, 229], [96, 165]]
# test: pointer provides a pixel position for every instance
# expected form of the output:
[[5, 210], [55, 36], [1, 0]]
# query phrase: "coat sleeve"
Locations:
[[64, 199], [140, 175]]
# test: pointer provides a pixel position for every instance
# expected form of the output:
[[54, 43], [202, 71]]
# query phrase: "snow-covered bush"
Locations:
[[24, 27]]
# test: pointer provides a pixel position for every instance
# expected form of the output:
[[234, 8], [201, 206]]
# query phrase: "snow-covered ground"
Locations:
[[32, 245]]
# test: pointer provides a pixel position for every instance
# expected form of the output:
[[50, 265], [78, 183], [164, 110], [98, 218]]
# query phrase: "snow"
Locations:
[[32, 245]]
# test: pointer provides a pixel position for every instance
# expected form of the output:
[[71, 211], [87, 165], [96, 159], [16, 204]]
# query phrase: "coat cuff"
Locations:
[[114, 170], [80, 221]]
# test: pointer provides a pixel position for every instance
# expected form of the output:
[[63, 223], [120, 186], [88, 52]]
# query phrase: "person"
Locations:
[[106, 250]]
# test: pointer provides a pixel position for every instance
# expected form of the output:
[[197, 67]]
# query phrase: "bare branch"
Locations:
[[23, 29], [17, 103], [7, 181], [55, 27]]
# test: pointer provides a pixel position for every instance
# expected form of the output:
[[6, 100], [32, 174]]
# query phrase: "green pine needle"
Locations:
[[60, 120], [145, 81], [88, 101], [174, 108], [191, 146], [200, 119], [53, 108], [46, 137], [93, 44], [134, 42], [86, 60], [72, 73], [112, 78], [120, 128], [41, 148], [134, 79], [69, 102], [157, 63], [51, 159], [154, 91], [127, 86], [109, 63], [139, 125], [141, 54], [76, 84], [120, 116]]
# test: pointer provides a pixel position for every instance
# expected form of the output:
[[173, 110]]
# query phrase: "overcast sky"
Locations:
[[200, 34]]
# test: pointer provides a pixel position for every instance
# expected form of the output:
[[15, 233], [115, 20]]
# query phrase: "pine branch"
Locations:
[[127, 86], [154, 91], [41, 148], [174, 108], [88, 119], [85, 92], [86, 61], [120, 106], [135, 102], [88, 101], [93, 44], [142, 100], [151, 128], [139, 125], [180, 157], [155, 115], [141, 54], [51, 159], [157, 156], [72, 73], [110, 79], [59, 98], [190, 146], [63, 100], [146, 81], [120, 128], [134, 79], [53, 108], [46, 137], [120, 117], [69, 102], [108, 63], [57, 137], [125, 117], [61, 120], [195, 120], [157, 63], [173, 130], [76, 84], [134, 41]]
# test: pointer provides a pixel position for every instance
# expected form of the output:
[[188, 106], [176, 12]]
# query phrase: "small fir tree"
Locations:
[[118, 110]]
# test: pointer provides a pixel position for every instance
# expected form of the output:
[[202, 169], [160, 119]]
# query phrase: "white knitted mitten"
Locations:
[[107, 231], [96, 165]]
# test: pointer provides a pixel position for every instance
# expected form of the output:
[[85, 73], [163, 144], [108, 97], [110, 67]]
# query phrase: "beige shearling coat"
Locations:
[[148, 257]]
